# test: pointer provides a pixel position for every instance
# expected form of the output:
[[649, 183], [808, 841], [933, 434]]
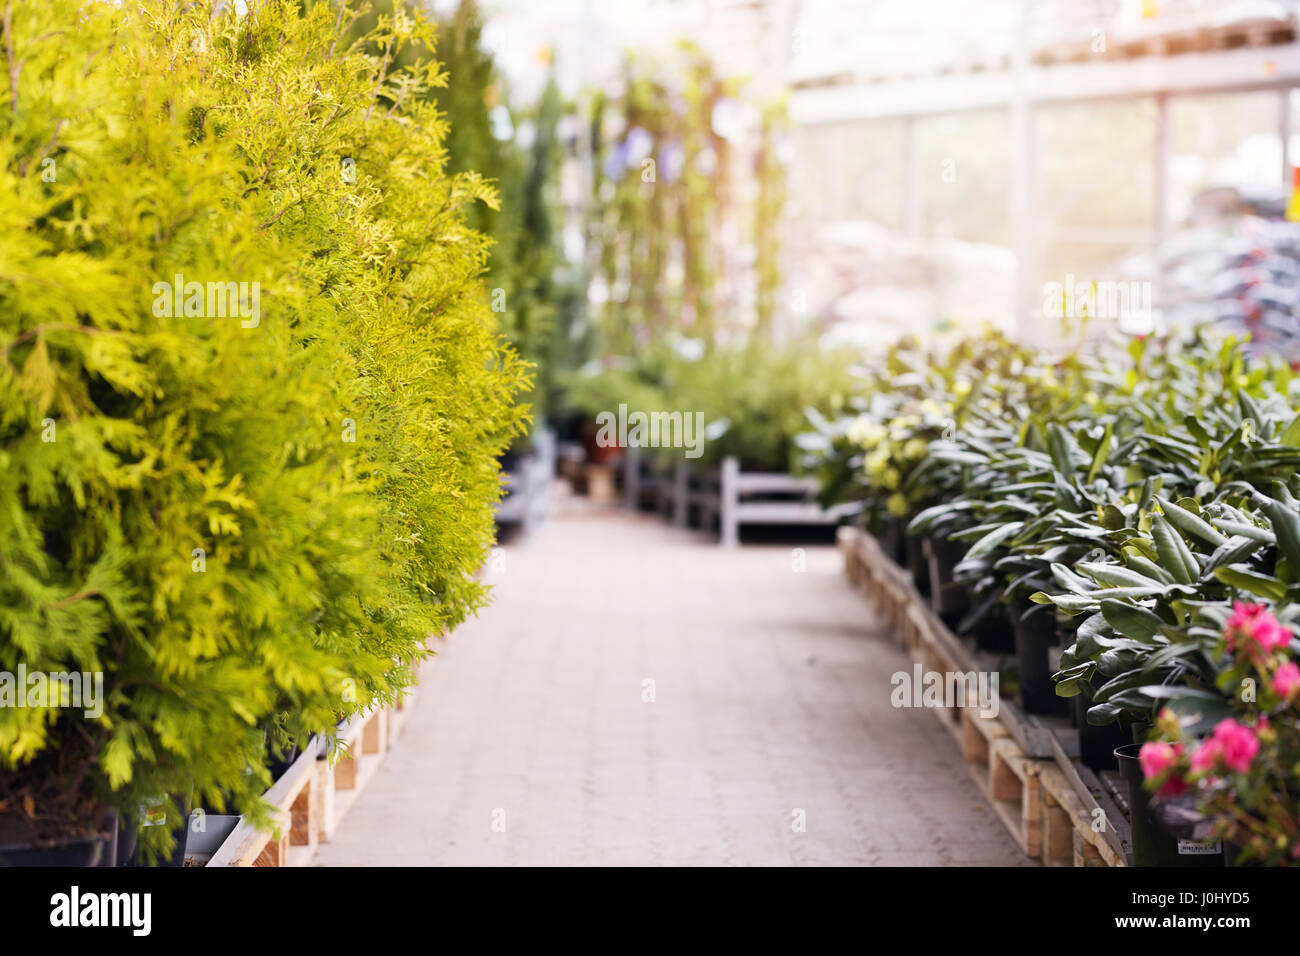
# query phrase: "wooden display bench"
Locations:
[[315, 793], [727, 497], [642, 480], [1056, 809]]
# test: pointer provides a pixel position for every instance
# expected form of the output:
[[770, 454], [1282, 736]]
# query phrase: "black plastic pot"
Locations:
[[1138, 730], [1035, 636], [1152, 845], [994, 631], [128, 851], [949, 600], [128, 842], [893, 540], [1096, 744], [278, 766], [217, 827], [917, 564], [78, 851]]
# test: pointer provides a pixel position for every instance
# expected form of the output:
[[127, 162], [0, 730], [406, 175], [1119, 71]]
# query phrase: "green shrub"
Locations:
[[758, 398], [246, 526], [1148, 495], [754, 399]]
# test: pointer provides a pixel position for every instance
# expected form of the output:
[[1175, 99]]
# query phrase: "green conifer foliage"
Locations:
[[521, 285], [244, 519], [472, 90], [527, 253], [523, 258]]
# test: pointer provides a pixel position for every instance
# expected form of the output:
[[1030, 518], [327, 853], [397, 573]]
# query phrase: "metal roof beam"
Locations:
[[1227, 71]]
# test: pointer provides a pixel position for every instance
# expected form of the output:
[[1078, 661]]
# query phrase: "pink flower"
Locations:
[[1237, 744], [1252, 627], [1206, 756], [1270, 635], [1173, 787], [1157, 757], [1286, 682]]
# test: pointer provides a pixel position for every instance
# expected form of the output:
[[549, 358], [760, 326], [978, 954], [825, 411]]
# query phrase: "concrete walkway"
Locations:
[[636, 695]]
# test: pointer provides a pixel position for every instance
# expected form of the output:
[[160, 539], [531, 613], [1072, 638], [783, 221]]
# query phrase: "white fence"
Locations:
[[728, 496]]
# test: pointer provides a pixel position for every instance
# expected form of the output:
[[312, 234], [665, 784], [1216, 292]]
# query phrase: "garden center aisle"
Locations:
[[530, 741]]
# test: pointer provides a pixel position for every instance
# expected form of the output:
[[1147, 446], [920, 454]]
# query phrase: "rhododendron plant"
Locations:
[[1286, 682], [1232, 745], [1244, 775], [1160, 760], [1252, 629]]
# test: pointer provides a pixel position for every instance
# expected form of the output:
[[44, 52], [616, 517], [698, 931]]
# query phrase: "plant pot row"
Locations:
[[95, 850], [1163, 834], [118, 844], [1028, 630], [1097, 743]]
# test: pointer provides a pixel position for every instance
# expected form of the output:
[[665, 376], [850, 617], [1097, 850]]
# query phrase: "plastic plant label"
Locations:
[[153, 814], [1191, 848]]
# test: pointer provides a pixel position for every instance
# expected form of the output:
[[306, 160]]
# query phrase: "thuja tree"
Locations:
[[523, 260], [536, 316], [472, 95], [472, 90], [246, 511]]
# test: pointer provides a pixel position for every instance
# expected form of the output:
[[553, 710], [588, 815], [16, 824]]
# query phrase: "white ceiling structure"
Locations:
[[821, 42]]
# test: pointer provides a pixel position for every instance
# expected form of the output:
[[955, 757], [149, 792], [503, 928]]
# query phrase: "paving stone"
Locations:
[[771, 695]]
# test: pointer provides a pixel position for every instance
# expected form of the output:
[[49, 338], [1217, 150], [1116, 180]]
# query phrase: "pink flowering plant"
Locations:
[[1241, 772]]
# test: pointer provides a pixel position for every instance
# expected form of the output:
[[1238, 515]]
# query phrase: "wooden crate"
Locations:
[[598, 480], [1037, 789]]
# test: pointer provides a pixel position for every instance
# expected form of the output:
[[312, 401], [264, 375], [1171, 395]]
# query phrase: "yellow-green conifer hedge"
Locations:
[[246, 505]]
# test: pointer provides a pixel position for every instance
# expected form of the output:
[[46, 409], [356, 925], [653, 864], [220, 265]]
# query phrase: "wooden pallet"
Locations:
[[1044, 797], [1199, 39], [1093, 795], [598, 482], [1073, 832], [1235, 35], [314, 794], [296, 819], [1008, 779], [1056, 54], [886, 585]]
